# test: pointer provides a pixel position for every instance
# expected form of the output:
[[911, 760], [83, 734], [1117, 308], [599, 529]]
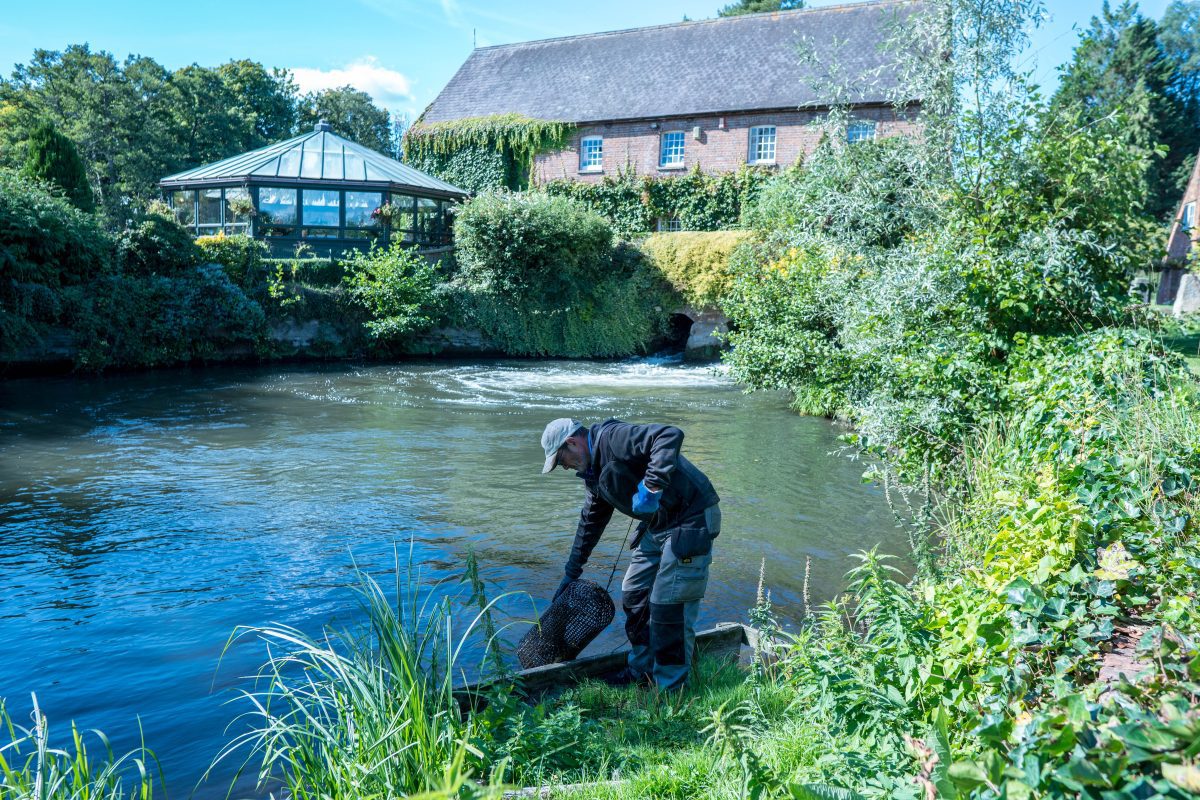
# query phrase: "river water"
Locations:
[[143, 517]]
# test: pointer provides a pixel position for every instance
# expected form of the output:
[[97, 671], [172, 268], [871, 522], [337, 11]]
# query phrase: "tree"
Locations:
[[266, 102], [740, 7], [1121, 64], [52, 158], [116, 114], [352, 114]]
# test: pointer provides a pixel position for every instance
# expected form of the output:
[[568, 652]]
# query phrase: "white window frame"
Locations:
[[1187, 219], [668, 225], [662, 150], [757, 154], [855, 129], [585, 154]]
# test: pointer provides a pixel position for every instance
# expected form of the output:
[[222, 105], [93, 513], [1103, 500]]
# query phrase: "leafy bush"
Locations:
[[158, 245], [45, 243], [44, 238], [153, 320], [398, 287], [539, 275], [695, 264], [242, 256]]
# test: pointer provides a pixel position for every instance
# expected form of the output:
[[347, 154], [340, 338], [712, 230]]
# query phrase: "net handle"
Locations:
[[617, 560]]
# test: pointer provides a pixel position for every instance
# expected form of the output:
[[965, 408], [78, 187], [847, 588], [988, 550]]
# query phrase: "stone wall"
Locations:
[[722, 146]]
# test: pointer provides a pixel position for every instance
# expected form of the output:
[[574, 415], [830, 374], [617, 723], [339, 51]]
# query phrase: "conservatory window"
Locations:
[[320, 207], [403, 223], [669, 224], [210, 211], [429, 220], [235, 223], [360, 206], [277, 210], [591, 154], [762, 145], [671, 151], [183, 205], [860, 131]]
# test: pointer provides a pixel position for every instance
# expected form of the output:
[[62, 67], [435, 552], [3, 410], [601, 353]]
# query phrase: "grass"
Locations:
[[32, 769]]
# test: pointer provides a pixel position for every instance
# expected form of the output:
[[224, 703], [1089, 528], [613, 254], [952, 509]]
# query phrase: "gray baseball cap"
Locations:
[[553, 437]]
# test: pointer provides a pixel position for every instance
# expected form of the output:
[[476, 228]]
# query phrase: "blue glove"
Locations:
[[645, 501], [562, 587]]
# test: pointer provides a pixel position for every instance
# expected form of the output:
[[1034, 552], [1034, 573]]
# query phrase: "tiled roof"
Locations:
[[738, 63], [320, 156]]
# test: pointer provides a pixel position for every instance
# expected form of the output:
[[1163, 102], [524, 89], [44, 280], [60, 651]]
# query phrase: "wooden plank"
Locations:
[[725, 640]]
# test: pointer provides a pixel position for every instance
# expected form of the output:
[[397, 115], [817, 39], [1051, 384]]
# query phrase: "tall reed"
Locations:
[[31, 769], [366, 713]]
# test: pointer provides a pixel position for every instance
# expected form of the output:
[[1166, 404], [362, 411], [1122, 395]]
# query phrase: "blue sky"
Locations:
[[400, 51]]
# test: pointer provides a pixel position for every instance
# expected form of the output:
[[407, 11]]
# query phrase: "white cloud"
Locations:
[[387, 87]]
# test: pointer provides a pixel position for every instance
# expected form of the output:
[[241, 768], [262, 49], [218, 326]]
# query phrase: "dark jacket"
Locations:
[[623, 454]]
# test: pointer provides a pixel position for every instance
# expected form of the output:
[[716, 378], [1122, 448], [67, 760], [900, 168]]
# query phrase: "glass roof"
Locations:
[[320, 156]]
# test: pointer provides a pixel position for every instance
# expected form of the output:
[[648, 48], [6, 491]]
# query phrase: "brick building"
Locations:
[[1179, 242], [714, 93]]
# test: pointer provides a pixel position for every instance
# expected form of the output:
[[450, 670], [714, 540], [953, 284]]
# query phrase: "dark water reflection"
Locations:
[[144, 517]]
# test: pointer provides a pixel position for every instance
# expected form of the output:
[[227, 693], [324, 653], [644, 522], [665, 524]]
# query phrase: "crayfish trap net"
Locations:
[[573, 620]]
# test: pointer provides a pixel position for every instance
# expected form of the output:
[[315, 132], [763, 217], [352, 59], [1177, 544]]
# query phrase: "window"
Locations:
[[668, 224], [183, 204], [1188, 220], [320, 207], [210, 211], [402, 224], [591, 154], [860, 131], [238, 199], [671, 150], [429, 221], [359, 208], [276, 210], [762, 145]]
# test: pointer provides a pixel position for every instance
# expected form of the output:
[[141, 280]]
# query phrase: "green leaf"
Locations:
[[817, 791], [967, 774]]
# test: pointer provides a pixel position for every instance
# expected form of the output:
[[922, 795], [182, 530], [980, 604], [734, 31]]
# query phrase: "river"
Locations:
[[144, 516]]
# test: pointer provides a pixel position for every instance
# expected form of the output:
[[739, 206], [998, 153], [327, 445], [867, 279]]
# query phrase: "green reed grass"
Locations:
[[31, 769], [367, 713]]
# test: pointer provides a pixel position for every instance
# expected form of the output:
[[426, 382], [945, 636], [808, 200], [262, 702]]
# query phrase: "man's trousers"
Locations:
[[661, 597]]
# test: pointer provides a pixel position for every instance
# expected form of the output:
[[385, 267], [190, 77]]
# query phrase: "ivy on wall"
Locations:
[[701, 202], [482, 153]]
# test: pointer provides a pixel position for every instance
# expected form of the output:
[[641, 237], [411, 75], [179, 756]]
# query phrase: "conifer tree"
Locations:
[[53, 158]]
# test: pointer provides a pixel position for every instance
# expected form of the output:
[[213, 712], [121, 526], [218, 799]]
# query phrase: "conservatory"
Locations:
[[317, 189]]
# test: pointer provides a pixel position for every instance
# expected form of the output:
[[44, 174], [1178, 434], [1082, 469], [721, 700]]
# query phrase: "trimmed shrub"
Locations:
[[52, 158], [696, 264], [539, 274], [157, 245], [531, 248]]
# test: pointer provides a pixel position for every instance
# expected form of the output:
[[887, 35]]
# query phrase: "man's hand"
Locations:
[[646, 500], [562, 587]]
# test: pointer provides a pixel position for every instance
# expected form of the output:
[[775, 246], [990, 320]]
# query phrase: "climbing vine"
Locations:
[[699, 201], [481, 153]]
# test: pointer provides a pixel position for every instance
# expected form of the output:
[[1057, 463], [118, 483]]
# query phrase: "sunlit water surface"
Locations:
[[144, 517]]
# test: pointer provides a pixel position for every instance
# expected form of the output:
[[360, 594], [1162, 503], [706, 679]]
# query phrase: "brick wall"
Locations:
[[1179, 242], [722, 146]]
